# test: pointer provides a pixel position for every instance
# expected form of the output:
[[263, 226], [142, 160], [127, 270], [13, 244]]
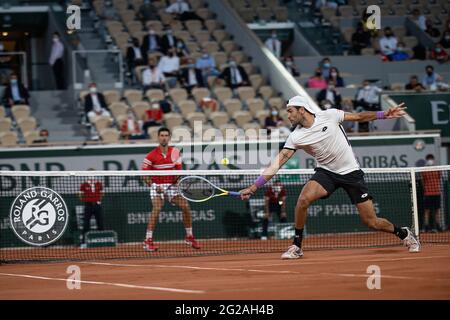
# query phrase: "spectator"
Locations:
[[274, 45], [56, 61], [234, 75], [130, 128], [135, 56], [274, 202], [400, 54], [388, 44], [43, 136], [165, 104], [182, 11], [439, 53], [373, 31], [335, 78], [431, 79], [95, 104], [430, 30], [317, 81], [191, 77], [273, 121], [432, 190], [153, 116], [15, 93], [168, 41], [419, 52], [347, 106], [152, 77], [420, 19], [91, 194], [151, 42], [147, 11], [207, 65], [291, 67], [360, 39], [5, 65], [329, 97], [209, 104], [82, 56], [181, 50], [414, 84], [170, 67], [445, 40], [367, 99], [325, 66]]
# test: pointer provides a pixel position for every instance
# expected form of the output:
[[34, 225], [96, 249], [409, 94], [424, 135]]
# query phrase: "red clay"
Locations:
[[334, 274]]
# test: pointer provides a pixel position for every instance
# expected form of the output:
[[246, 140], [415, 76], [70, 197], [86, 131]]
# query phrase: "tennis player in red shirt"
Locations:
[[165, 157]]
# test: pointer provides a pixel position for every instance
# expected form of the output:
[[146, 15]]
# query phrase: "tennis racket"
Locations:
[[199, 189]]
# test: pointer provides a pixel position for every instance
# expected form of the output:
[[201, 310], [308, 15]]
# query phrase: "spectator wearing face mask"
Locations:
[[168, 41], [335, 78], [209, 105], [431, 79], [234, 75], [170, 67], [181, 10], [207, 65], [388, 44], [400, 54], [273, 120], [152, 77], [15, 93], [95, 104], [414, 84], [147, 11], [325, 67], [151, 42], [153, 116], [291, 67], [445, 40], [317, 81], [439, 53], [130, 128], [274, 45], [432, 191], [331, 96], [419, 19], [43, 136], [56, 61], [274, 202], [191, 77], [431, 30], [135, 56], [360, 39], [181, 50], [367, 99]]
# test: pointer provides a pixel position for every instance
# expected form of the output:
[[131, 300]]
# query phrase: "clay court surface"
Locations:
[[327, 274]]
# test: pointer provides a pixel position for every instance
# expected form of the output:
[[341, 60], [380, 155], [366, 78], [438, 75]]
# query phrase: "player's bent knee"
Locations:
[[303, 203]]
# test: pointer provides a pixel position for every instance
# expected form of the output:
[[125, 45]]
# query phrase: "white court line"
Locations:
[[351, 275], [124, 285]]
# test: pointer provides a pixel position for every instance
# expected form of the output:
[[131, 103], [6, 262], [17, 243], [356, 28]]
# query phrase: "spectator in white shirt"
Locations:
[[367, 99], [95, 104], [420, 19], [181, 10], [152, 77], [170, 67], [274, 45], [388, 43], [56, 61]]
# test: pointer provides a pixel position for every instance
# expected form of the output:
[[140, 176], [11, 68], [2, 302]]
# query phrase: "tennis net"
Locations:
[[47, 216]]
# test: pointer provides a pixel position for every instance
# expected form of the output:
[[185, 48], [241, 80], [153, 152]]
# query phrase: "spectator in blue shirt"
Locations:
[[207, 65], [431, 79], [15, 93]]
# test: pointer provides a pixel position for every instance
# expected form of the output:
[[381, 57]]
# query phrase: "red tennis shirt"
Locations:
[[275, 197], [91, 191], [156, 160]]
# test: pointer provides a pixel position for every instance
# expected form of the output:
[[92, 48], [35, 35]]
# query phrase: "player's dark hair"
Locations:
[[429, 157], [163, 129]]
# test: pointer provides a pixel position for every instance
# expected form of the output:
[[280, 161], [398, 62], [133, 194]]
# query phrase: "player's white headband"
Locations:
[[300, 101]]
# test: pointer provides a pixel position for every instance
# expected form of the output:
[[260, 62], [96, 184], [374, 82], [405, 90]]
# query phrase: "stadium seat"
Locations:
[[256, 81], [110, 135], [139, 109], [153, 133], [219, 118], [2, 112], [210, 46], [220, 35], [27, 124], [187, 107], [281, 14], [111, 96], [264, 13], [193, 26], [156, 94], [346, 11], [8, 139], [220, 57], [183, 34], [242, 117], [138, 71], [172, 119], [196, 4], [195, 116], [239, 56], [202, 36], [5, 124], [261, 115], [155, 25], [223, 93], [204, 13], [247, 14], [228, 46], [276, 102], [254, 105], [133, 95], [178, 94], [251, 130], [102, 122], [181, 133], [229, 131], [232, 105], [118, 109], [20, 111], [31, 136], [266, 92], [248, 67], [245, 93], [212, 25], [200, 93]]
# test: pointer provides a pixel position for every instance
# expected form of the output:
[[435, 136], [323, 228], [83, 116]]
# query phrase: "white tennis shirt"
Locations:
[[326, 141]]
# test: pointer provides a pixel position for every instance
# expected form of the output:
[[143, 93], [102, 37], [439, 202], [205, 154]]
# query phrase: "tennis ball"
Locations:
[[225, 161]]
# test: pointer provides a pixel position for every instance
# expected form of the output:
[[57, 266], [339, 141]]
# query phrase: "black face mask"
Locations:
[[318, 74], [429, 73], [152, 66]]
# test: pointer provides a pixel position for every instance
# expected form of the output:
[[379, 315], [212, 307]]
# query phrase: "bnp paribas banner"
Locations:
[[396, 151], [431, 111]]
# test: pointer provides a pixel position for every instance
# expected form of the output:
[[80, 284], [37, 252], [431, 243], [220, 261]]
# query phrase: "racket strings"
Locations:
[[196, 189]]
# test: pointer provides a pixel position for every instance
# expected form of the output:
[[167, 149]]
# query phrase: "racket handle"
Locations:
[[234, 193]]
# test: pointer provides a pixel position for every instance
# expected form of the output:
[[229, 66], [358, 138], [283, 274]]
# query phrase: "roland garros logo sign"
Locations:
[[39, 216]]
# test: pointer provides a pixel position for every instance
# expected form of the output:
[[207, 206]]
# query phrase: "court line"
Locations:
[[381, 276], [124, 285]]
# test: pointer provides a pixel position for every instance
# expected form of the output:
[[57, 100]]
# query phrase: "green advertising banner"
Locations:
[[431, 111]]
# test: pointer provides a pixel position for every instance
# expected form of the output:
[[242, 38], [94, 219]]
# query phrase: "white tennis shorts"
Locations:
[[169, 191]]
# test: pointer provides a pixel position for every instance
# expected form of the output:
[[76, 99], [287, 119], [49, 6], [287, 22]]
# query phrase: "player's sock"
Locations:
[[401, 233], [283, 219], [265, 227], [298, 237], [149, 234], [189, 232]]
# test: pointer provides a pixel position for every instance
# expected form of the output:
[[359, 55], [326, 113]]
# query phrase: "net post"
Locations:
[[414, 199]]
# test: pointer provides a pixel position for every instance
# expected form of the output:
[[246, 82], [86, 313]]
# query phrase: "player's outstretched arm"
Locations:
[[268, 173], [392, 113]]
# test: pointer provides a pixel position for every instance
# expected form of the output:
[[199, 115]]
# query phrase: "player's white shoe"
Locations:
[[411, 241], [293, 252]]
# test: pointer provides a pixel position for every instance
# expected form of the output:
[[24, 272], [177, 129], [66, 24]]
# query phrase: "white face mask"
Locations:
[[430, 162], [367, 87], [93, 90], [276, 188], [274, 113]]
